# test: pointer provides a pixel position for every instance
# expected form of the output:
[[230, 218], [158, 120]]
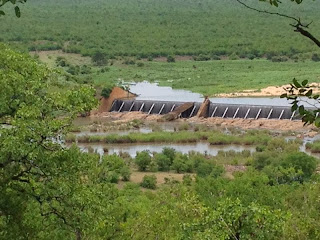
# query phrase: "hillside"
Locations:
[[152, 27]]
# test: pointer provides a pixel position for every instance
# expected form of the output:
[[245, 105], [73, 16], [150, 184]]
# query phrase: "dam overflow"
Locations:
[[210, 109]]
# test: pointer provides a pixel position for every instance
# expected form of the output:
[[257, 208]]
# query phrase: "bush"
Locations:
[[105, 92], [315, 57], [279, 59], [140, 64], [100, 59], [187, 180], [171, 58], [209, 169], [301, 161], [170, 153], [149, 181], [163, 162], [182, 164], [143, 160], [85, 69], [62, 62], [129, 62], [125, 173], [73, 70], [234, 56]]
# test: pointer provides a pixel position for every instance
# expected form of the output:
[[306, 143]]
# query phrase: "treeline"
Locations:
[[204, 29]]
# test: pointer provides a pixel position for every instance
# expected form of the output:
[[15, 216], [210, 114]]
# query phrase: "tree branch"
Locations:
[[299, 27]]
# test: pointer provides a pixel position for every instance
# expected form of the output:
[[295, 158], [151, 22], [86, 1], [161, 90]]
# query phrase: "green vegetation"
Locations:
[[158, 28], [314, 147], [212, 77], [52, 192], [213, 137], [149, 181]]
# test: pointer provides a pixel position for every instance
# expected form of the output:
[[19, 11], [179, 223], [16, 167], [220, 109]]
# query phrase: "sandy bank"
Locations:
[[266, 92]]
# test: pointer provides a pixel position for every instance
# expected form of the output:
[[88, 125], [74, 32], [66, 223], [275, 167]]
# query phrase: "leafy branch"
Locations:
[[298, 25], [302, 92]]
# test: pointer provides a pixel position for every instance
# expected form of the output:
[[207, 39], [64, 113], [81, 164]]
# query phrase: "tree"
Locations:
[[47, 191], [100, 59]]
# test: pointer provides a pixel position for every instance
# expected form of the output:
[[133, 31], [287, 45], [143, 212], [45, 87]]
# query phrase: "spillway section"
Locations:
[[213, 109]]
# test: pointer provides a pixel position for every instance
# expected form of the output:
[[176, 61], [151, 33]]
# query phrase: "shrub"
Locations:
[[301, 161], [149, 181], [279, 59], [73, 70], [182, 164], [187, 180], [163, 162], [129, 62], [171, 58], [209, 169], [215, 57], [61, 62], [233, 56], [105, 92], [125, 173], [85, 69], [140, 64], [100, 59], [315, 57], [143, 160], [170, 153]]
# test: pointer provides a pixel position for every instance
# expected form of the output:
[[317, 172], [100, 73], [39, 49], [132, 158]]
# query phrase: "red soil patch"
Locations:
[[117, 93]]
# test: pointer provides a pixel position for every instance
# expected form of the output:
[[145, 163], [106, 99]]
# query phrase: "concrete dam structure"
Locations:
[[208, 110]]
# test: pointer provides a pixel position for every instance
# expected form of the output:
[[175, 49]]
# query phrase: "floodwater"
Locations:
[[132, 149], [201, 147], [152, 91]]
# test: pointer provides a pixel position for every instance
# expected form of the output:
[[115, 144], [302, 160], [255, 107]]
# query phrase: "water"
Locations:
[[151, 91], [132, 149], [201, 147]]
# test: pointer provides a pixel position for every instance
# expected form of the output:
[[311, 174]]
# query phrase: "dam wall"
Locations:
[[213, 109]]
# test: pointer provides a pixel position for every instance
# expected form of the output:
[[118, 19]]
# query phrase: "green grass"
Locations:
[[213, 137], [212, 77], [314, 147], [154, 27]]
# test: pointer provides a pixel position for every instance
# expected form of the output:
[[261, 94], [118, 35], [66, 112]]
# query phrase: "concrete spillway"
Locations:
[[212, 110]]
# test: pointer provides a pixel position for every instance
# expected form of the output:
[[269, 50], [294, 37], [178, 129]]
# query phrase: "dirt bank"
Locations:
[[265, 92], [106, 103]]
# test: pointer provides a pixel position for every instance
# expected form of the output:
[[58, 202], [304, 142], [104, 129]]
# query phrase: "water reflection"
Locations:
[[132, 149], [151, 91]]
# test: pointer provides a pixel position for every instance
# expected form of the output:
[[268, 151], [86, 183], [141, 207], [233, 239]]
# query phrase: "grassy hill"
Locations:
[[158, 27]]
